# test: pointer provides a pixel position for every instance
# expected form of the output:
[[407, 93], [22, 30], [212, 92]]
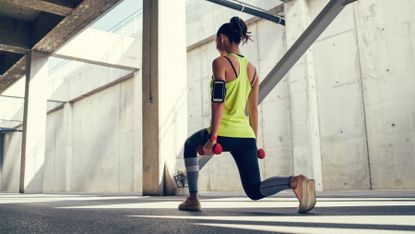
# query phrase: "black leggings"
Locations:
[[244, 152]]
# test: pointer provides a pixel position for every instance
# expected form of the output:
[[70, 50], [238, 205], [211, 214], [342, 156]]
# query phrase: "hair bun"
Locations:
[[239, 29], [238, 25]]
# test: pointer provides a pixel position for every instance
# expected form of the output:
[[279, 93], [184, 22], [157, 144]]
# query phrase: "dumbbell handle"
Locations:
[[260, 153], [217, 149]]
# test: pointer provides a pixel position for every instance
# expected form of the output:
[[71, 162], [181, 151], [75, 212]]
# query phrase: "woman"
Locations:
[[235, 84]]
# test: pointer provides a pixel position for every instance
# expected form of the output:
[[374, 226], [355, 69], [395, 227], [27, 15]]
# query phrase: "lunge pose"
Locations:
[[235, 85]]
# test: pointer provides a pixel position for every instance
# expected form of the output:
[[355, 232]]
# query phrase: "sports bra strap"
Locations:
[[236, 74]]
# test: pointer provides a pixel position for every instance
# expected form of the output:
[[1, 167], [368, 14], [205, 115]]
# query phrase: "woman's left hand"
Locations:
[[207, 148]]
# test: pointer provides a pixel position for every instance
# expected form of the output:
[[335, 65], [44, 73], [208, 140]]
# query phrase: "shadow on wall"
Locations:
[[170, 132], [95, 164], [10, 163]]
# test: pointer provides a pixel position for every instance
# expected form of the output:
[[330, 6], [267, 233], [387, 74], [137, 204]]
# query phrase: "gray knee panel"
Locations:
[[274, 185]]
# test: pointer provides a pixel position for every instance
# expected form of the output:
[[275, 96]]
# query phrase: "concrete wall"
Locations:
[[93, 147], [102, 157], [362, 70], [387, 54], [93, 144], [10, 166], [343, 115]]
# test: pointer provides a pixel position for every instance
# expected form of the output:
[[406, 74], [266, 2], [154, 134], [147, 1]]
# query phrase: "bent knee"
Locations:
[[189, 150], [254, 194]]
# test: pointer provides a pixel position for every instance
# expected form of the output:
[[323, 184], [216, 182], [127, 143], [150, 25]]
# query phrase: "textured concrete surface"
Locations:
[[362, 66], [351, 212]]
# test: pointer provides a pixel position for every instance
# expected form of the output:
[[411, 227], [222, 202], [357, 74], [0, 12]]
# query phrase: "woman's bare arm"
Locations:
[[253, 104], [218, 68]]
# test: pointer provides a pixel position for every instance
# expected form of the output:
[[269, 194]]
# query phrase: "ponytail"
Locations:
[[236, 30]]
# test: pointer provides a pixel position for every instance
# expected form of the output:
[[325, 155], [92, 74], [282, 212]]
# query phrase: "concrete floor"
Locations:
[[346, 212]]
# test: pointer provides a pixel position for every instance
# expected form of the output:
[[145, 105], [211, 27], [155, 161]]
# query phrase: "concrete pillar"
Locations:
[[303, 95], [138, 134], [164, 92], [1, 156], [67, 132], [34, 123]]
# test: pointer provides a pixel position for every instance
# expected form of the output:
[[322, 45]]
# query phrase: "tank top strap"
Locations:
[[230, 62]]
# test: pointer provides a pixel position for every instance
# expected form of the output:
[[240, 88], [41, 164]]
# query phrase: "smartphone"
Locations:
[[218, 91]]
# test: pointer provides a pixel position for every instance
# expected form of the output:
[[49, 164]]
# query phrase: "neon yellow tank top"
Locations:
[[234, 122]]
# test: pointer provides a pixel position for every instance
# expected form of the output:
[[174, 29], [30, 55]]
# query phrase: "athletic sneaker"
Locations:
[[308, 199], [191, 204]]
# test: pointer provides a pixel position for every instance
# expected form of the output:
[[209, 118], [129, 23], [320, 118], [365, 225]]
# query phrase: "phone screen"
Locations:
[[218, 91]]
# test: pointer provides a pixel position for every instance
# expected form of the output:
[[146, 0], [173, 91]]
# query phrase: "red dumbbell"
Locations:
[[260, 153], [217, 149]]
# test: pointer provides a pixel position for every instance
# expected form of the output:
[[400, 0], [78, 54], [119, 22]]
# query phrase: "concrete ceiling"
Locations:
[[41, 25]]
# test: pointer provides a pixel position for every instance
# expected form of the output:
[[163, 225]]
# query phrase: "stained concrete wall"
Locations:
[[386, 38], [359, 99]]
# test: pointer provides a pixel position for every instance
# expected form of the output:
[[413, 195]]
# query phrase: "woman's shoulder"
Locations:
[[219, 61]]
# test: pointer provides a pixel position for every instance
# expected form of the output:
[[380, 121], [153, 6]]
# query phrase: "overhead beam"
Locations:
[[248, 9], [249, 22], [15, 35], [43, 24], [81, 16], [12, 49], [84, 14], [13, 74], [40, 5], [303, 43], [94, 62], [6, 130]]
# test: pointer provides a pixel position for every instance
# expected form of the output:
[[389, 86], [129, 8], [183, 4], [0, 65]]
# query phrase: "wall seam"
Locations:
[[290, 102], [261, 108], [363, 96], [313, 104], [120, 100]]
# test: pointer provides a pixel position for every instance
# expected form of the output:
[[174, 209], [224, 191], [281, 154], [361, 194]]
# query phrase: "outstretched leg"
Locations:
[[247, 163]]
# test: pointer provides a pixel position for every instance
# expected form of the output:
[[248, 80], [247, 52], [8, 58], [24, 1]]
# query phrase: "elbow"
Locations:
[[253, 110]]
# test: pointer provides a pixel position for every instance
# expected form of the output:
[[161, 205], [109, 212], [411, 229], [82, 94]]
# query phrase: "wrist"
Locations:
[[213, 138]]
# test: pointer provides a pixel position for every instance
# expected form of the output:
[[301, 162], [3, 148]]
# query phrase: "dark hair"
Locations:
[[236, 30]]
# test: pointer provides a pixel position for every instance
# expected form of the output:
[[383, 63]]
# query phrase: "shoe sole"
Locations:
[[309, 196], [190, 209]]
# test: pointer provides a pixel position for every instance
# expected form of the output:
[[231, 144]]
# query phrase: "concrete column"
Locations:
[[164, 92], [34, 123], [138, 134], [1, 156], [67, 132], [303, 94]]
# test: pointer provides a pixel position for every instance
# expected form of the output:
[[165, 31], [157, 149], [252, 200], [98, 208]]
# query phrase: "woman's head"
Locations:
[[232, 33]]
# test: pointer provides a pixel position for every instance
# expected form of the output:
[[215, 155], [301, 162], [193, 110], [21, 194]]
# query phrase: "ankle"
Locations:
[[194, 195], [293, 182]]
